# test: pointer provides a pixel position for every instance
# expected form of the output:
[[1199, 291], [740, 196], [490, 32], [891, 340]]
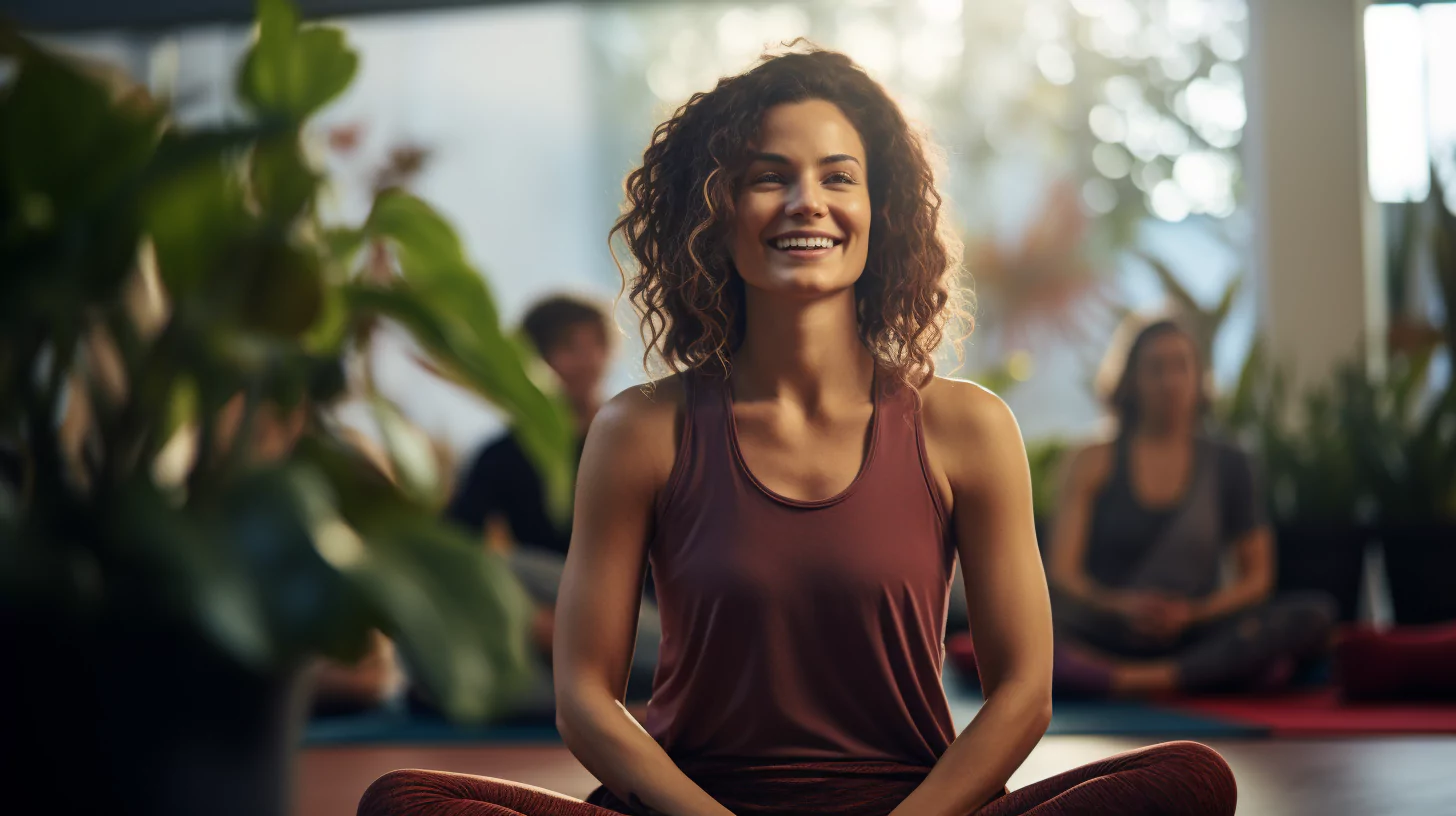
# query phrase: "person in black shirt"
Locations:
[[574, 338]]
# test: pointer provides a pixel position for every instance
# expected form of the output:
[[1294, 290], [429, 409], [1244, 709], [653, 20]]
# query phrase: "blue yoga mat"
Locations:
[[401, 728], [1113, 719], [1068, 718]]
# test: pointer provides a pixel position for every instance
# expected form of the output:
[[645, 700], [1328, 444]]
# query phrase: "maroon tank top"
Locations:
[[801, 630]]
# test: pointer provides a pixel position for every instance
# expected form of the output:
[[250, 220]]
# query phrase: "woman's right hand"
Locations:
[[1152, 614]]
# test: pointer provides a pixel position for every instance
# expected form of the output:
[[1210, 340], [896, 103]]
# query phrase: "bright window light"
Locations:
[[1439, 22], [1395, 102]]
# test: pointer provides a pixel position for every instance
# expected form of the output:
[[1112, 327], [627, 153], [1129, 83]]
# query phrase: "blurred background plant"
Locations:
[[177, 323]]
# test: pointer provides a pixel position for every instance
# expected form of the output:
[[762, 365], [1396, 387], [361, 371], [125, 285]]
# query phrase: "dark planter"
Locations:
[[1328, 556], [1420, 566], [122, 717]]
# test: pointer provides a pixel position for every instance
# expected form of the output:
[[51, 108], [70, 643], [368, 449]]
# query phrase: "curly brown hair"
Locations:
[[679, 210]]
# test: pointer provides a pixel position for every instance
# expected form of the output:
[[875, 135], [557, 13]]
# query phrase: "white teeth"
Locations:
[[817, 242]]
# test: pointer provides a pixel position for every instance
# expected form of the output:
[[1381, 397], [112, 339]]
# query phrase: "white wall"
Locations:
[[1305, 165]]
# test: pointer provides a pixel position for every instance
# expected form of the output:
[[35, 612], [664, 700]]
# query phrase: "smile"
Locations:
[[804, 246]]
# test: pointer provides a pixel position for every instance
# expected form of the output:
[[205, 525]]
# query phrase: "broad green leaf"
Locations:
[[344, 246], [329, 330], [283, 182], [457, 613], [196, 216], [66, 144], [432, 257], [292, 71], [282, 526], [493, 367], [410, 452], [190, 566], [283, 285], [476, 352]]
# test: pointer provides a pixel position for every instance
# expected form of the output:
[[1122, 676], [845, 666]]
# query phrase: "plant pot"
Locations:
[[130, 717], [1322, 555], [1420, 566]]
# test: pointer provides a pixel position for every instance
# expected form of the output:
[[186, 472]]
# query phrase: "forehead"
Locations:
[[1168, 344], [808, 130]]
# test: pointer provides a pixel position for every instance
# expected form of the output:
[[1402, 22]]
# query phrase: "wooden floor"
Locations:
[[1342, 777]]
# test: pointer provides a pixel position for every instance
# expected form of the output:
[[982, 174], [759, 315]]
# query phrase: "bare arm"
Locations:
[[1084, 476], [628, 455], [985, 465], [1255, 563]]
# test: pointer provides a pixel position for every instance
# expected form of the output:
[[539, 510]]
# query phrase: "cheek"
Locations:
[[748, 226]]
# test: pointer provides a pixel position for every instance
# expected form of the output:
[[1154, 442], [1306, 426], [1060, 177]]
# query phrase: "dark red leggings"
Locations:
[[1183, 778]]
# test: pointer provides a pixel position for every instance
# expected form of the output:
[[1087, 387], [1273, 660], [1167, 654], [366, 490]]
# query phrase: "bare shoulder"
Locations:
[[971, 436], [635, 433], [966, 412], [1091, 464]]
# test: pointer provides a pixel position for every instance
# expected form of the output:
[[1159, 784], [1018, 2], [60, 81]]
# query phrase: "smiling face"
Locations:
[[802, 222]]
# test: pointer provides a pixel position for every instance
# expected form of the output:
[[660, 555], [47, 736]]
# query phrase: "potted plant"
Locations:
[[1402, 433], [184, 526], [1403, 426], [1314, 492]]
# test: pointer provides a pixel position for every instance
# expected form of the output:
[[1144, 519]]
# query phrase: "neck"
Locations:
[[805, 350], [584, 410], [1170, 429]]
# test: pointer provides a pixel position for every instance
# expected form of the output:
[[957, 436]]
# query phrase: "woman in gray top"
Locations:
[[1146, 520]]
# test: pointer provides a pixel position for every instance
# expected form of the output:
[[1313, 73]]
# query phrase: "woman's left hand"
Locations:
[[1173, 616]]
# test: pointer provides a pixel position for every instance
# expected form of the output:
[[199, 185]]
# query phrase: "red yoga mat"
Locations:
[[1321, 713]]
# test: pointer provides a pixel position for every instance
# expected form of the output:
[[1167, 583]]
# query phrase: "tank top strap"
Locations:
[[1120, 478], [702, 446]]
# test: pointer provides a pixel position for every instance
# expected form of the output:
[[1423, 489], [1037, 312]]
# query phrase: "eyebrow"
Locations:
[[775, 158]]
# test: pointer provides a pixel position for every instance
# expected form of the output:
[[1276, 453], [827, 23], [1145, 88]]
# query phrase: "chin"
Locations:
[[803, 281]]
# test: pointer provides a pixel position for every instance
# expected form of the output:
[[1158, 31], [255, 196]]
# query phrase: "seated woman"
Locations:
[[802, 489], [1139, 542]]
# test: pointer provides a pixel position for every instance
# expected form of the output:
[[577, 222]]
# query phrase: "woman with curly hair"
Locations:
[[801, 486]]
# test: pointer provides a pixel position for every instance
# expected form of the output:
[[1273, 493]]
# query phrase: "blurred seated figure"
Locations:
[[502, 493], [371, 683], [1137, 551]]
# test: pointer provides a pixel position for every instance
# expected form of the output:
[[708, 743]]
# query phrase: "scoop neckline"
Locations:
[[876, 409], [1195, 467]]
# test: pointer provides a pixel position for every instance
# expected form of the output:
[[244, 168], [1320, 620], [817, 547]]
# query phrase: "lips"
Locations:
[[803, 243]]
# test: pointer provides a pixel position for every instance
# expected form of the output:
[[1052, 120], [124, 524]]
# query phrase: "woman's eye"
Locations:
[[769, 178], [839, 178]]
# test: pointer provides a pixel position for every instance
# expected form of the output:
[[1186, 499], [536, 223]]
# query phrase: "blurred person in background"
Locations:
[[1140, 539], [802, 487], [501, 496]]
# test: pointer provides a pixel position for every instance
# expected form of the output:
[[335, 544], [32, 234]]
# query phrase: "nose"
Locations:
[[806, 200]]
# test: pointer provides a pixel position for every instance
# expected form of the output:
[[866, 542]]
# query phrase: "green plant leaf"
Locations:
[[444, 302], [1226, 302], [195, 216], [459, 616], [432, 257], [67, 145], [344, 246], [186, 561], [284, 285], [292, 71], [288, 537], [410, 452], [283, 182], [1174, 287]]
